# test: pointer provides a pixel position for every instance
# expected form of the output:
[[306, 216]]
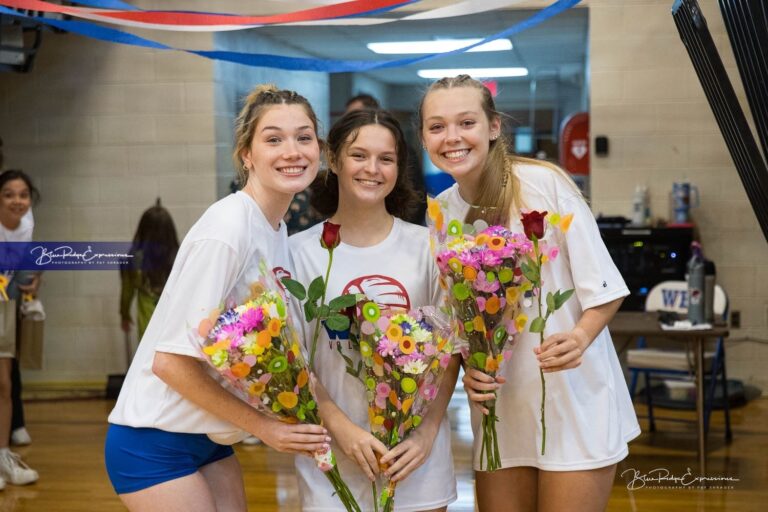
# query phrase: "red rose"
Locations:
[[331, 237], [533, 224]]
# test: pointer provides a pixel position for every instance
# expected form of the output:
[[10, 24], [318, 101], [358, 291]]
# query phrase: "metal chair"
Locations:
[[677, 364]]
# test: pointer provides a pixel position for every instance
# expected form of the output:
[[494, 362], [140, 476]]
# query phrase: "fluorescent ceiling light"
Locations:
[[438, 46], [474, 72]]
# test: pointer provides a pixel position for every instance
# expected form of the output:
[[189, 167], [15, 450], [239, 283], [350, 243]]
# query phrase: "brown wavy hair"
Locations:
[[157, 243], [261, 98], [401, 202]]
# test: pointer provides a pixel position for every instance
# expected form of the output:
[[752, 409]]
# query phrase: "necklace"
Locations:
[[483, 209]]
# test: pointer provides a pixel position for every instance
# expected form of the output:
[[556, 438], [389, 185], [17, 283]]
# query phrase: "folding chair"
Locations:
[[677, 364]]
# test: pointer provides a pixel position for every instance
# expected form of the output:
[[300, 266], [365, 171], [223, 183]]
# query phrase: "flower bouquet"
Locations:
[[257, 350], [480, 269], [404, 356], [534, 225]]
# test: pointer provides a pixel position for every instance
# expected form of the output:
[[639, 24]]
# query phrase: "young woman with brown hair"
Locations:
[[388, 259]]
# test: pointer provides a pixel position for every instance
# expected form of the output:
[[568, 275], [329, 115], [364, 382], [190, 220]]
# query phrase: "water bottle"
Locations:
[[709, 291], [640, 206], [696, 285]]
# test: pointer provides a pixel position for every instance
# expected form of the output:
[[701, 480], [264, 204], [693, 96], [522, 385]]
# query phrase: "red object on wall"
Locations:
[[574, 144]]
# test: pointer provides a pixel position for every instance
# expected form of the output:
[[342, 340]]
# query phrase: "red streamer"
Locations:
[[340, 10]]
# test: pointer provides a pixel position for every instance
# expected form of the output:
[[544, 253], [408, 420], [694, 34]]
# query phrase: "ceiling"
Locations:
[[557, 46]]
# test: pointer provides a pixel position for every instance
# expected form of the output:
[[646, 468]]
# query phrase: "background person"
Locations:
[[17, 194]]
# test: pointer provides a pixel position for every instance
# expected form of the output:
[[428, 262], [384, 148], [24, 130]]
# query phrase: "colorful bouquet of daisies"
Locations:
[[255, 348], [403, 359], [480, 270]]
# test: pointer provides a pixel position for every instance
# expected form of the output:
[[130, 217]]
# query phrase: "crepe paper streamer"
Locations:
[[463, 8], [283, 62], [339, 10], [107, 4]]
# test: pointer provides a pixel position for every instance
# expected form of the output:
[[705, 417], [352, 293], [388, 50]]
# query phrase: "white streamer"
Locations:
[[463, 8]]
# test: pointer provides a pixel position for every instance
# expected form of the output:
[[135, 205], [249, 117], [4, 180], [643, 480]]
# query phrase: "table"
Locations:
[[637, 323]]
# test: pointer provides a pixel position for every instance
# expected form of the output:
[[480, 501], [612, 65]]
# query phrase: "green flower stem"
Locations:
[[316, 334], [342, 491], [541, 342], [334, 477], [490, 446]]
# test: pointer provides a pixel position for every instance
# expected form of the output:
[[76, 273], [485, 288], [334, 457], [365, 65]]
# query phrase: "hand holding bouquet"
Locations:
[[404, 356], [480, 269], [257, 350]]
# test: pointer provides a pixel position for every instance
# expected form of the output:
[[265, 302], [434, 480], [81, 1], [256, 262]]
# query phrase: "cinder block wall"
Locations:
[[105, 129], [646, 98]]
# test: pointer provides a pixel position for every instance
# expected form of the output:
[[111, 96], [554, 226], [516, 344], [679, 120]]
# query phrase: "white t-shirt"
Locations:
[[399, 271], [589, 414], [215, 265], [22, 233]]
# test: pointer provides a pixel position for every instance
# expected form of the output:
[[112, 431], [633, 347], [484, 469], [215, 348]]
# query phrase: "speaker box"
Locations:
[[601, 145]]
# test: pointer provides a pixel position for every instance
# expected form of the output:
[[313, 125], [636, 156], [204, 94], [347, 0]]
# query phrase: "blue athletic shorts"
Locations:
[[138, 458]]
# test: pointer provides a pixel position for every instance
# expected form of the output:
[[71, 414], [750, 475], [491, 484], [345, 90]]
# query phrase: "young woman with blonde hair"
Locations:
[[590, 417], [167, 444]]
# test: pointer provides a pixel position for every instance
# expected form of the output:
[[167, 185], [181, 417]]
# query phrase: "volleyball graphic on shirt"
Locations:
[[280, 274], [383, 290]]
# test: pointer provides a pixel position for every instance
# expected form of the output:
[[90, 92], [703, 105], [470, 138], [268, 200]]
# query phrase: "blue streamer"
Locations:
[[107, 4], [281, 61]]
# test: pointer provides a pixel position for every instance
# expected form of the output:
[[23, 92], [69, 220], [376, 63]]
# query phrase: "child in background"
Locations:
[[17, 193], [154, 249]]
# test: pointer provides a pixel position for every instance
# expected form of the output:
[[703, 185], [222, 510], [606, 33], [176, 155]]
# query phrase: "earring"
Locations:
[[245, 167], [494, 136]]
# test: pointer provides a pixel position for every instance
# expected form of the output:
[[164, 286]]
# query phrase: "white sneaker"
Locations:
[[14, 470], [20, 437], [251, 441]]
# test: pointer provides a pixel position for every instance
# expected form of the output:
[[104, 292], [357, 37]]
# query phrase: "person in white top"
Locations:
[[164, 448], [17, 193], [21, 194], [388, 259], [590, 417]]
